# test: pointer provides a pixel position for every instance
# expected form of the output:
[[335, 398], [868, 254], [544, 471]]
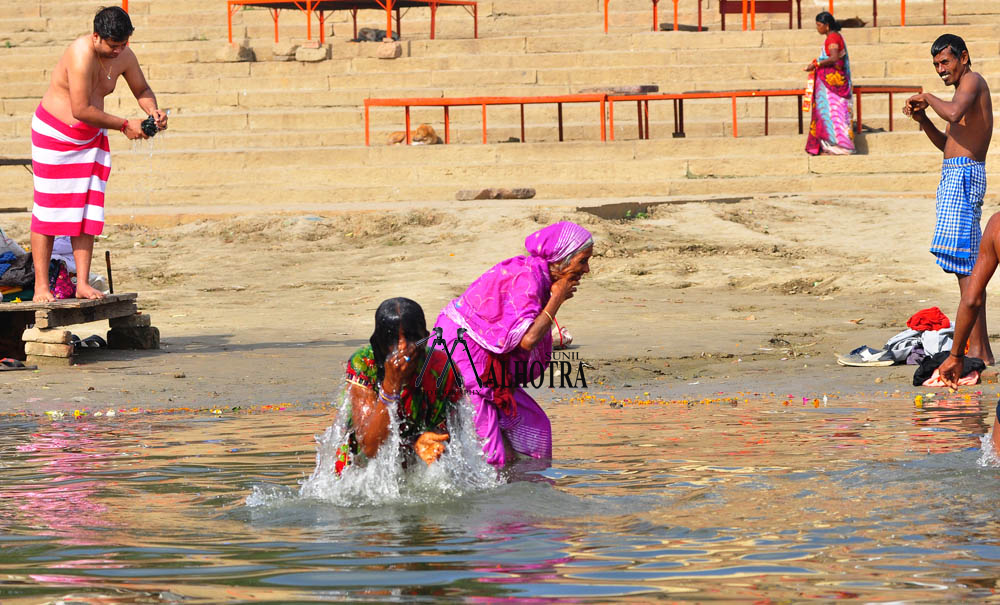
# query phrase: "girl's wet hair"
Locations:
[[955, 43], [391, 315], [828, 20], [113, 23]]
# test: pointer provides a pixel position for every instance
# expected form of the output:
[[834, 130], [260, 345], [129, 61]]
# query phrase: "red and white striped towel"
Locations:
[[71, 166]]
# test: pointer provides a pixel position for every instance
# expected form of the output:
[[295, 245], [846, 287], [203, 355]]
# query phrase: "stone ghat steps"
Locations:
[[62, 21], [303, 89], [157, 21], [513, 7], [755, 64], [195, 143], [294, 90], [471, 135], [174, 69], [237, 191], [205, 94], [569, 170], [345, 126], [456, 35], [691, 158], [674, 49], [250, 107], [258, 27]]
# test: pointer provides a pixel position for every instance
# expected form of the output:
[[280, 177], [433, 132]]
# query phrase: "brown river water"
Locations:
[[738, 499]]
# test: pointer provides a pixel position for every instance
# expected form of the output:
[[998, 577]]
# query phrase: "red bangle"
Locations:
[[124, 126]]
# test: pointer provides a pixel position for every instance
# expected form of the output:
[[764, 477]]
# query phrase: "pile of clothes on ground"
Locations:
[[926, 343]]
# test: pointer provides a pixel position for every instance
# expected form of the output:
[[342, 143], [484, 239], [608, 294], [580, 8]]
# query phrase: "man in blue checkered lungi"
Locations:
[[965, 141]]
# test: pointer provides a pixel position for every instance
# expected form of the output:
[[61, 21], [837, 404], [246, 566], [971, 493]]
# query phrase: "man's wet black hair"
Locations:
[[389, 317], [953, 42], [113, 23], [827, 19]]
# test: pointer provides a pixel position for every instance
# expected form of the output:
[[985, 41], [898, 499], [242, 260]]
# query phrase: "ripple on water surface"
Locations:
[[862, 499]]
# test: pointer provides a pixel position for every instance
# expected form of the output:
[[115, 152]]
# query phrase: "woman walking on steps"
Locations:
[[830, 131]]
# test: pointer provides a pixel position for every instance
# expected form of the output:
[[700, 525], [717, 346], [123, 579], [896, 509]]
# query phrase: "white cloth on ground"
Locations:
[[62, 249], [902, 345]]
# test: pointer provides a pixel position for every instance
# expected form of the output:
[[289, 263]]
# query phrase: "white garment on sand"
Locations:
[[62, 249], [932, 341], [9, 245]]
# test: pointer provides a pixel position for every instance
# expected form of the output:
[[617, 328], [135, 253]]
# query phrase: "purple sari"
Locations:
[[497, 310]]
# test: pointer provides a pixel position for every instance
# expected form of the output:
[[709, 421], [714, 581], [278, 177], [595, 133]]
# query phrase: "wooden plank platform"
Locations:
[[68, 303], [130, 330]]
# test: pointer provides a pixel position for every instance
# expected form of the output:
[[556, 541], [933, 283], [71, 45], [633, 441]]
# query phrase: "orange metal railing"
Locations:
[[642, 105], [321, 7], [902, 12], [656, 15], [484, 102], [607, 107]]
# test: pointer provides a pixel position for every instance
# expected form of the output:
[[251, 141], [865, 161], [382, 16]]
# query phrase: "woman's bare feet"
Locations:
[[43, 295], [84, 290]]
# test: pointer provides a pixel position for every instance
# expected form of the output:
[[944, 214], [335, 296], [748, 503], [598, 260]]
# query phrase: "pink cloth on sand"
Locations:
[[968, 380]]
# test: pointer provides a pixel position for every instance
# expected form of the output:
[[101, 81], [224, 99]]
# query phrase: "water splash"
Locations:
[[461, 470], [989, 456]]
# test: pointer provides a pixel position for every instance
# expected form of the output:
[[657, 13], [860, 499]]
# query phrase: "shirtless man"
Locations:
[[973, 301], [969, 310], [69, 144], [964, 142]]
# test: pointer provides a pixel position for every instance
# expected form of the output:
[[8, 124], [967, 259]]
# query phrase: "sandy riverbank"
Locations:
[[694, 299]]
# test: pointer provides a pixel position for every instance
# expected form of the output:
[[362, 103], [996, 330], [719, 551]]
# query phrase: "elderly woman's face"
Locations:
[[579, 263]]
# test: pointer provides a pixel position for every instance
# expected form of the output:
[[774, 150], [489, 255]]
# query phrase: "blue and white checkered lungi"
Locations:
[[959, 210]]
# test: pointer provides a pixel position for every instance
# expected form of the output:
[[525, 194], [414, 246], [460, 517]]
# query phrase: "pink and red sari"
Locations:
[[830, 129], [496, 312]]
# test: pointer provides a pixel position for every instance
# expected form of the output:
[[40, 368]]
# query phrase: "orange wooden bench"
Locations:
[[902, 12], [446, 103], [656, 15], [734, 7], [321, 7]]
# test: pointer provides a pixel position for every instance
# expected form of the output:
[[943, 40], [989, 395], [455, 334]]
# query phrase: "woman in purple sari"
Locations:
[[830, 131], [508, 314]]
